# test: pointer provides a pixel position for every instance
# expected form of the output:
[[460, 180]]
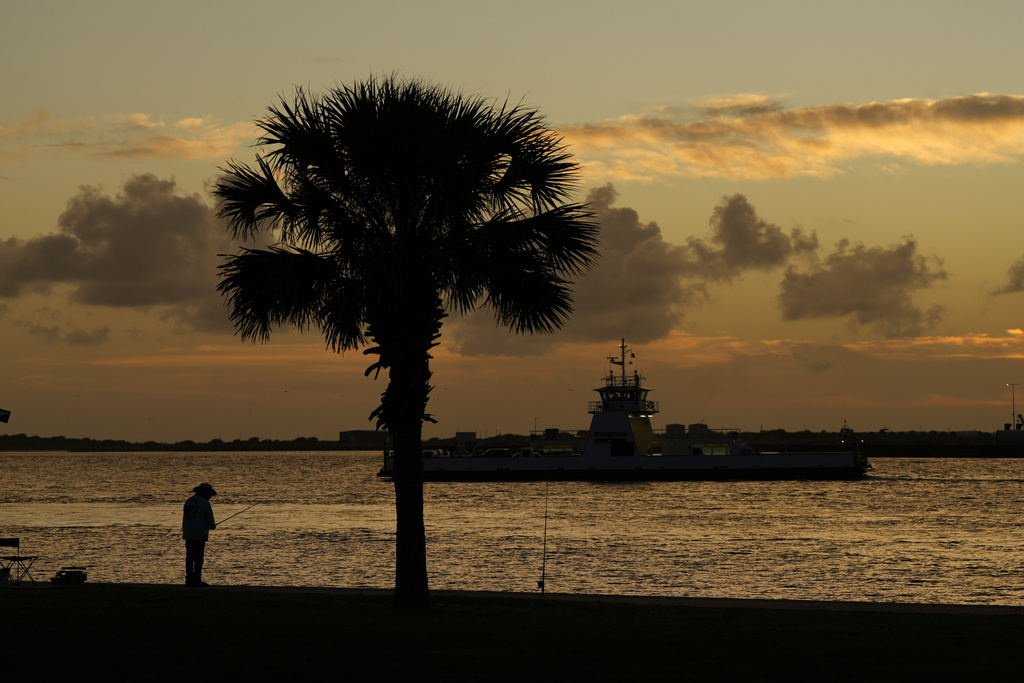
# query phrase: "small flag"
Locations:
[[4, 415]]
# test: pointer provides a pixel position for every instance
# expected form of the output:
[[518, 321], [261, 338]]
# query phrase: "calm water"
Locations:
[[933, 531]]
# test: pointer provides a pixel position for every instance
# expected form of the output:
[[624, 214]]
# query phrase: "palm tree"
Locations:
[[391, 203]]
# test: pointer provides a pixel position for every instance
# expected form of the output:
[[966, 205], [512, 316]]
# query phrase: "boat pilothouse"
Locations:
[[623, 393]]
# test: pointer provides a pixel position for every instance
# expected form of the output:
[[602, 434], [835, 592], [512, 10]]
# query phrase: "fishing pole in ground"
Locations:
[[544, 554]]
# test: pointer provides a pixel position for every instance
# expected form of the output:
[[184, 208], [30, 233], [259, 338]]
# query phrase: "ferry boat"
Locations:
[[621, 445]]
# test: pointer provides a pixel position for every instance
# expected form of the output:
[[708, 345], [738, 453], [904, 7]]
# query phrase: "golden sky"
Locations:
[[809, 213]]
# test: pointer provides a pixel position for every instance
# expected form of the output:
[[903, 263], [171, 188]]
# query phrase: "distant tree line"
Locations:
[[22, 442]]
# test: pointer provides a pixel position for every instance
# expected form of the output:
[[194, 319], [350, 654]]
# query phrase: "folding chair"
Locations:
[[15, 567]]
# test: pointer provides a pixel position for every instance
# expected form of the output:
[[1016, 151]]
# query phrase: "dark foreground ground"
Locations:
[[164, 633]]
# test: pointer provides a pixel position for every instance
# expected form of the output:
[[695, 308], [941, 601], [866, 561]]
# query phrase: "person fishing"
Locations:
[[196, 524]]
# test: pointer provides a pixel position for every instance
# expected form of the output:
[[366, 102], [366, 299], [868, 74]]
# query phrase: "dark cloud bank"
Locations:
[[147, 248], [871, 286]]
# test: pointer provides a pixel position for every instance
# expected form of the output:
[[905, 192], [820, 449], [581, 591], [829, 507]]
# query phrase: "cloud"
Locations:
[[740, 241], [148, 247], [1014, 279], [126, 136], [82, 338], [643, 283], [871, 285], [43, 334], [970, 346], [755, 137]]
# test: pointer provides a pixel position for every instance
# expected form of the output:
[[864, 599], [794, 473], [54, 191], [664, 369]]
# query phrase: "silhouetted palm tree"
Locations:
[[392, 202]]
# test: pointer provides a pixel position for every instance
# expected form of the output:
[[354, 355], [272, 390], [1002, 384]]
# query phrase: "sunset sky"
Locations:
[[811, 212]]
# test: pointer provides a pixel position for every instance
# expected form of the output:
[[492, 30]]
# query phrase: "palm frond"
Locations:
[[268, 288], [543, 307], [250, 199]]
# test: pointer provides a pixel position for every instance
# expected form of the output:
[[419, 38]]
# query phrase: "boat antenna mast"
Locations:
[[620, 361]]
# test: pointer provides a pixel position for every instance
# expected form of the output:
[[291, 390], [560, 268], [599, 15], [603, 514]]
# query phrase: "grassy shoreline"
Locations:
[[163, 632]]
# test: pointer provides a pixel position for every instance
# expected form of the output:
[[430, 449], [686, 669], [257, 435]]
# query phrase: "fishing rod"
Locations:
[[237, 513], [544, 554]]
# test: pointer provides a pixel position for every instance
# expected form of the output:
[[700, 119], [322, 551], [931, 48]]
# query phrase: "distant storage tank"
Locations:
[[699, 429], [675, 430]]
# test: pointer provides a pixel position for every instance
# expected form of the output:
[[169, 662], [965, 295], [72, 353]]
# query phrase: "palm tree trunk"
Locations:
[[404, 343], [411, 586]]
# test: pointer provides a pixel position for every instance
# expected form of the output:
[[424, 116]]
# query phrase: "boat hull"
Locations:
[[795, 474], [805, 466]]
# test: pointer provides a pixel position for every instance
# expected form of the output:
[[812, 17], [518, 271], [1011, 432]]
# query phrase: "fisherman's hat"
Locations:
[[205, 487]]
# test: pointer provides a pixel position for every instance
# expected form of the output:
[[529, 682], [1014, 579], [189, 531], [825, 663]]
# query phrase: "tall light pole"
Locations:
[[1013, 403]]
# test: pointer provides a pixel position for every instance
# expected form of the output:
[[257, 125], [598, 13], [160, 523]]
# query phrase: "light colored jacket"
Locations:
[[197, 519]]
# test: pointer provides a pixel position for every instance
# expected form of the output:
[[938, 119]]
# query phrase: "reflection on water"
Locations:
[[939, 531]]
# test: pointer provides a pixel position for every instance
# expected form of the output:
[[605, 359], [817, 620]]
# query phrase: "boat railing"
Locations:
[[617, 381], [636, 406]]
